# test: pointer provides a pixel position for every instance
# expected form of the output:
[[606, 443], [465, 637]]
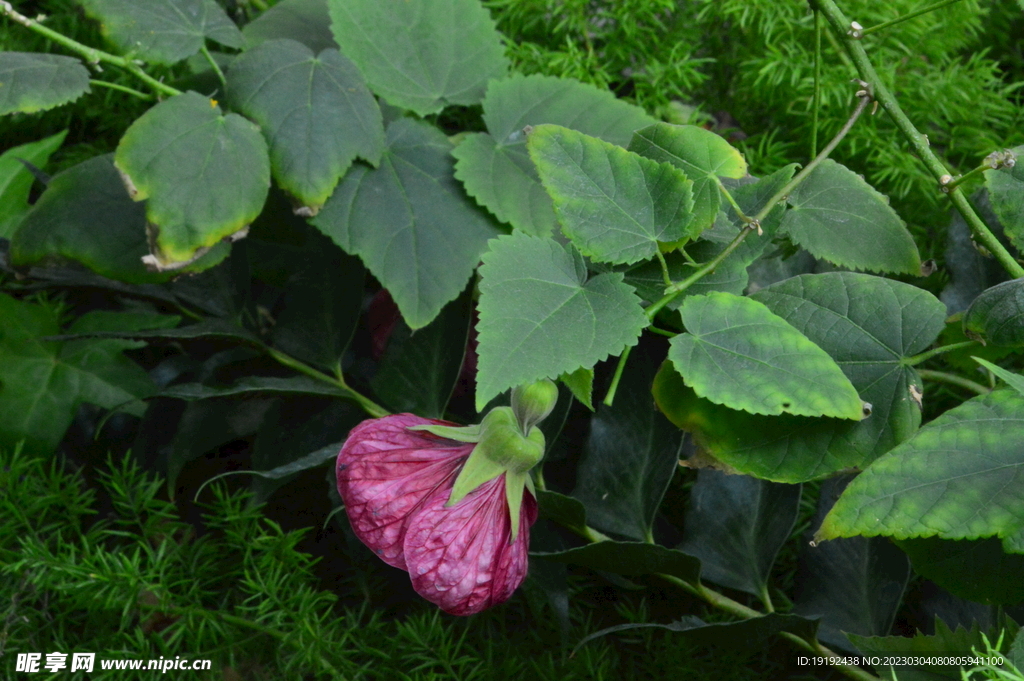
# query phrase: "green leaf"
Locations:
[[869, 326], [581, 384], [943, 643], [735, 525], [410, 221], [997, 315], [419, 369], [163, 31], [630, 456], [306, 21], [566, 511], [43, 382], [206, 176], [207, 329], [839, 217], [613, 204], [953, 480], [86, 216], [854, 585], [1015, 381], [315, 112], [294, 385], [421, 55], [319, 310], [1006, 191], [978, 570], [540, 315], [701, 154], [496, 168], [31, 82], [745, 634], [630, 558], [16, 180], [738, 353]]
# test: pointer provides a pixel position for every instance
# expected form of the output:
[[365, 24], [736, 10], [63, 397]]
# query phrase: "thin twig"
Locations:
[[916, 13], [917, 359], [120, 88]]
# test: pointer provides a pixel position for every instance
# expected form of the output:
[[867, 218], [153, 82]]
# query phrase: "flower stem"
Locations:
[[120, 88], [91, 54], [610, 397], [953, 379], [368, 405], [911, 15], [941, 350], [918, 141]]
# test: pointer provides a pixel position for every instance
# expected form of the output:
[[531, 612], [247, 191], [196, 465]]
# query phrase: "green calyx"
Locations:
[[501, 448], [533, 403]]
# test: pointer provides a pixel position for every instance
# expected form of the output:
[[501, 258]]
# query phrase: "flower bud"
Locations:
[[533, 403]]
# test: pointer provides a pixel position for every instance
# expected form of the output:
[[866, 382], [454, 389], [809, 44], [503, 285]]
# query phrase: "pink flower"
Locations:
[[396, 484]]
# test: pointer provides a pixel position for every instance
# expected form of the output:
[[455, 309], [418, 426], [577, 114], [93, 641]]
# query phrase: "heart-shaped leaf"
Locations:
[[31, 82], [421, 55], [306, 21], [955, 479], [738, 353], [496, 167], [540, 315], [205, 175], [838, 216], [163, 31], [410, 221], [997, 315], [315, 112], [613, 204]]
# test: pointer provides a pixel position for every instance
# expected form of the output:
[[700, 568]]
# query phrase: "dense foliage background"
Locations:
[[111, 541]]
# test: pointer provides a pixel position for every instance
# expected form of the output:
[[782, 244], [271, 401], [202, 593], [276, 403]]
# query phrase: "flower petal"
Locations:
[[462, 558], [386, 471]]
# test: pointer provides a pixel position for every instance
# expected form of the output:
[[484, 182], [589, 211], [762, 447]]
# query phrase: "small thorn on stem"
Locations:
[[856, 31]]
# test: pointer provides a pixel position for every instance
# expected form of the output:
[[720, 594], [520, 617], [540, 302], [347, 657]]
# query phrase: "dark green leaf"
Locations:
[[306, 21], [977, 570], [85, 215], [581, 384], [613, 204], [31, 82], [421, 54], [410, 221], [318, 313], [565, 511], [854, 585], [298, 385], [630, 558], [1016, 654], [16, 180], [730, 276], [540, 316], [43, 382], [744, 635], [206, 176], [997, 315], [1006, 191], [868, 325], [315, 112], [837, 216], [163, 31], [955, 479], [496, 168], [419, 369], [701, 154], [735, 525], [738, 353], [629, 457], [206, 329]]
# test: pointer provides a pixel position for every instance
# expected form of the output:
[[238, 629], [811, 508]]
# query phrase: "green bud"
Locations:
[[533, 403]]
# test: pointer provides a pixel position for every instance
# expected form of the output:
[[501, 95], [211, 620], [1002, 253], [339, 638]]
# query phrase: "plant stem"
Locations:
[[732, 202], [120, 88], [917, 359], [918, 142], [664, 268], [957, 181], [816, 101], [953, 379], [368, 405], [91, 54], [915, 13], [610, 397], [215, 66]]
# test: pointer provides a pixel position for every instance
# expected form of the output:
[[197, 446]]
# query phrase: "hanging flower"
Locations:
[[451, 505]]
